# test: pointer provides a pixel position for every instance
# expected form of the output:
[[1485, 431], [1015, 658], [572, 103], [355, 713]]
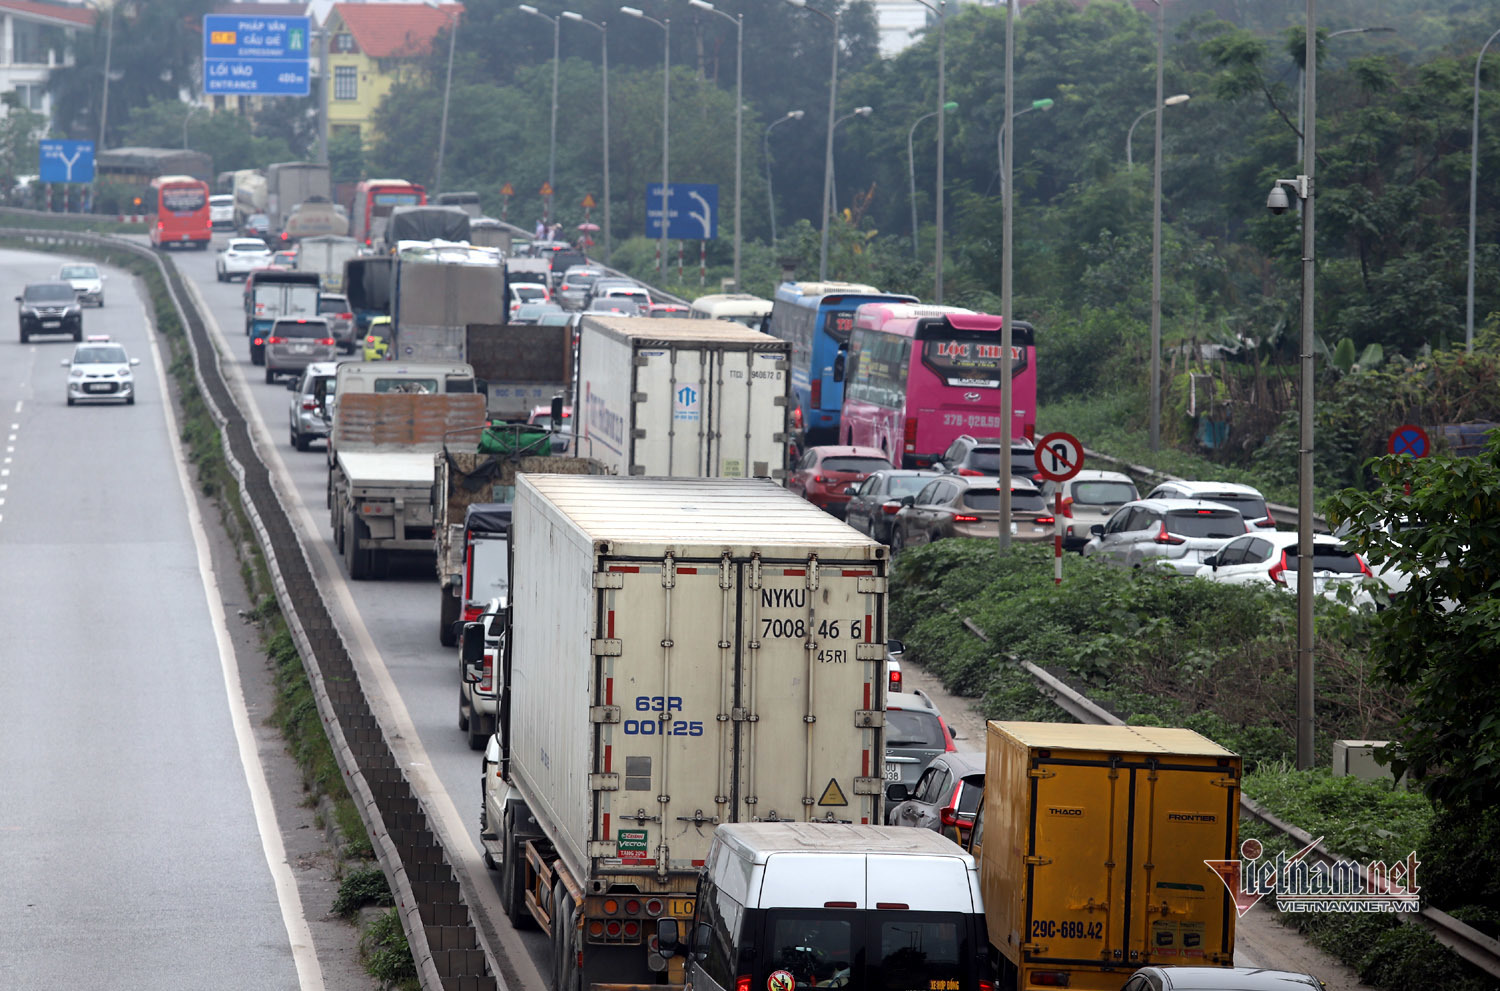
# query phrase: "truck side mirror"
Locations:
[[471, 651], [557, 412], [894, 646], [667, 937], [896, 792]]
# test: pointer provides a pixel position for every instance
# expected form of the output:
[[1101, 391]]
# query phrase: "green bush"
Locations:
[[386, 953], [360, 887]]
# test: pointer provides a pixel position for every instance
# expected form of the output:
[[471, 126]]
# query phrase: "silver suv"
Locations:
[[1250, 503], [295, 343], [1178, 533], [914, 734]]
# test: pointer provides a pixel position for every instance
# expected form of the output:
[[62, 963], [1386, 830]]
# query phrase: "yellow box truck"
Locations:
[[1091, 851]]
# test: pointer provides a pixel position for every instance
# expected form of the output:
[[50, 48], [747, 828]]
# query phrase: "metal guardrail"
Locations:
[[1466, 941], [439, 929]]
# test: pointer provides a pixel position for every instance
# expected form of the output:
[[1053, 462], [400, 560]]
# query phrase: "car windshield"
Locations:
[[1327, 557], [1251, 507], [332, 304], [580, 280], [51, 292], [852, 464], [80, 272], [1021, 500], [1205, 523], [906, 485], [106, 354], [529, 293], [1103, 493], [254, 247], [912, 728]]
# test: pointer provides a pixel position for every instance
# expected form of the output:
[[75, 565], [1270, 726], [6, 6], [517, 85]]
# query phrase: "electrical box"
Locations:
[[1356, 758]]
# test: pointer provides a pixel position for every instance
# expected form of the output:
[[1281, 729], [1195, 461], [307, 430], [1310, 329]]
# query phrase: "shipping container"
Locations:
[[1092, 852], [680, 653], [682, 398]]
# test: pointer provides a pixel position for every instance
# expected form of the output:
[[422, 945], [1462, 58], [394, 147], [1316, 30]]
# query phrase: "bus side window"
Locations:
[[838, 366]]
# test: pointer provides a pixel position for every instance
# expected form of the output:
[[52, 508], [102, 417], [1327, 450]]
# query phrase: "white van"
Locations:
[[793, 905], [739, 307]]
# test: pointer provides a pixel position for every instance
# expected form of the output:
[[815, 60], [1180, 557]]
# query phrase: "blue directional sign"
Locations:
[[67, 161], [249, 54], [692, 210]]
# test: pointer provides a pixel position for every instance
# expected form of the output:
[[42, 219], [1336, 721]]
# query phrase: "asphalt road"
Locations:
[[392, 625], [136, 831]]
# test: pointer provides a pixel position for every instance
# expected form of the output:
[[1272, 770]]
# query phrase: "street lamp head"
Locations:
[[1173, 101], [633, 11], [863, 111], [571, 15], [701, 4], [1043, 104], [528, 8], [797, 3], [950, 106], [796, 114], [1277, 201]]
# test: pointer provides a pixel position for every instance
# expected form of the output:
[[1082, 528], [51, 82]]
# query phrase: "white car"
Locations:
[[100, 370], [86, 281], [1270, 558], [221, 211], [241, 256], [527, 292], [1089, 497]]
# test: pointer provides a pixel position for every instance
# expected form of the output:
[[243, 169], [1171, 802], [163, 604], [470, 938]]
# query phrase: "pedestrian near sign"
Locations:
[[1409, 439], [1059, 456]]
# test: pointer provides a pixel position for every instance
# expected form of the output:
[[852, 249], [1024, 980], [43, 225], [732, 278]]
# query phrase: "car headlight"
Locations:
[[76, 373], [124, 373]]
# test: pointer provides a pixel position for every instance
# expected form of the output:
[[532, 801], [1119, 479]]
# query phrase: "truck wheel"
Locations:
[[357, 558], [513, 878], [564, 941], [448, 617]]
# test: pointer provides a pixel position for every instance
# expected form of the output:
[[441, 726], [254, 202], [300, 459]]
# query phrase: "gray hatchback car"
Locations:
[[1178, 533], [945, 799], [914, 734], [308, 410], [296, 342]]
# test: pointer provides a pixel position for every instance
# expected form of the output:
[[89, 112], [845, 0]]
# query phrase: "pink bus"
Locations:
[[920, 376]]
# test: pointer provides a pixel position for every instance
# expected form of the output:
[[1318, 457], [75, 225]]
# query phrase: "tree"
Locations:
[[223, 134], [19, 130], [1438, 520]]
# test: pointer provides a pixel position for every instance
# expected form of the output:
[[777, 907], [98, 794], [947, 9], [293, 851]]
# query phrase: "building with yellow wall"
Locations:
[[370, 47]]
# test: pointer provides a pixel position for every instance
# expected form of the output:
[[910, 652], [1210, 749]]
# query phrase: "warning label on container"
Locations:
[[833, 794]]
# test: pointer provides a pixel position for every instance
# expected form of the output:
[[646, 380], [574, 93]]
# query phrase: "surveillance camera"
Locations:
[[1277, 201]]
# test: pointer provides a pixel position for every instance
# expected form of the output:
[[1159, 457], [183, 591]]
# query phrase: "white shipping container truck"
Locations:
[[682, 398], [680, 653]]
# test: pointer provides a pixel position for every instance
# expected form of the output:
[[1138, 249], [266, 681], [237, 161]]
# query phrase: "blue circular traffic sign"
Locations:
[[1409, 439]]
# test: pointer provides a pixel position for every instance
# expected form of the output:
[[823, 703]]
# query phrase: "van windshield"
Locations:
[[897, 951]]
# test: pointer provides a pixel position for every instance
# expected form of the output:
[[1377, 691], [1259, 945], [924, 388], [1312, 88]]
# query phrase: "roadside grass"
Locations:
[[296, 714], [86, 223]]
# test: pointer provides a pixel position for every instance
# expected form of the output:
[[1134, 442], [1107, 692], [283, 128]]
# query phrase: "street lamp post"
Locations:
[[447, 90], [1007, 392], [109, 47], [1473, 195], [911, 170], [666, 109], [604, 113], [556, 23], [1170, 101], [1043, 104], [833, 90], [833, 186], [1277, 202], [941, 12], [194, 108], [766, 153], [739, 111]]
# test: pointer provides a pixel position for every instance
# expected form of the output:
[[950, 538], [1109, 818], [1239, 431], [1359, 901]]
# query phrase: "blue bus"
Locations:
[[817, 317]]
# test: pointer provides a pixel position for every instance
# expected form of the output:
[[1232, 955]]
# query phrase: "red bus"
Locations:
[[374, 199], [178, 208], [920, 376]]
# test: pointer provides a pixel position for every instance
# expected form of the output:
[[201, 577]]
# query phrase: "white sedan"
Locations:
[[1270, 558], [241, 256], [100, 370]]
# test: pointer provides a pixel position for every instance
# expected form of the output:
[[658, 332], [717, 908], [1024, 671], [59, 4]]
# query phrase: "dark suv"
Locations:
[[50, 308], [981, 456]]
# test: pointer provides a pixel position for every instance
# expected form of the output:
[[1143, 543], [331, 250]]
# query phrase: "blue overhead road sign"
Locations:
[[67, 161], [693, 210], [249, 54]]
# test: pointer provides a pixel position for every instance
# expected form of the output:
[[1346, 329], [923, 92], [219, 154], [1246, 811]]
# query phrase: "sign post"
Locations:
[[546, 192], [1059, 457], [506, 192], [255, 55]]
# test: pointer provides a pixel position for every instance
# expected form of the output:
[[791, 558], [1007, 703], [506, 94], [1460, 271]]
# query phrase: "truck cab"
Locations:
[[792, 905]]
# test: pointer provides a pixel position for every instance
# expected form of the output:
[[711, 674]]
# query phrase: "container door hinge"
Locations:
[[604, 714], [640, 360], [609, 579], [602, 848], [869, 718], [1038, 861], [639, 817], [605, 647], [1035, 948], [778, 401], [699, 819], [812, 573], [637, 397], [604, 782], [1230, 783], [1041, 772], [726, 573], [639, 433], [869, 786], [869, 652], [872, 585], [753, 580], [669, 572]]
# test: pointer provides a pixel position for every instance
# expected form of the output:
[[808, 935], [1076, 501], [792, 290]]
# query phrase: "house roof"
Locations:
[[383, 30], [67, 15], [251, 9]]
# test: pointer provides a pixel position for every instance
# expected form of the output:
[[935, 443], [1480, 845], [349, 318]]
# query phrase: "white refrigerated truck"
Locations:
[[679, 653], [683, 398]]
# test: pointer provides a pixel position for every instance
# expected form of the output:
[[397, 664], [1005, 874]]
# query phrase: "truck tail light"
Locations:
[[1163, 537], [468, 566], [742, 983], [1050, 978], [909, 436], [970, 472], [257, 342], [1068, 507], [487, 683], [1278, 571], [815, 399], [654, 907], [895, 679], [632, 929]]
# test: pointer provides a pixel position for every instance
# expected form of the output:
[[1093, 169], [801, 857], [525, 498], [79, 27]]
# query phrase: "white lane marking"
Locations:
[[385, 701], [304, 954], [18, 405]]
